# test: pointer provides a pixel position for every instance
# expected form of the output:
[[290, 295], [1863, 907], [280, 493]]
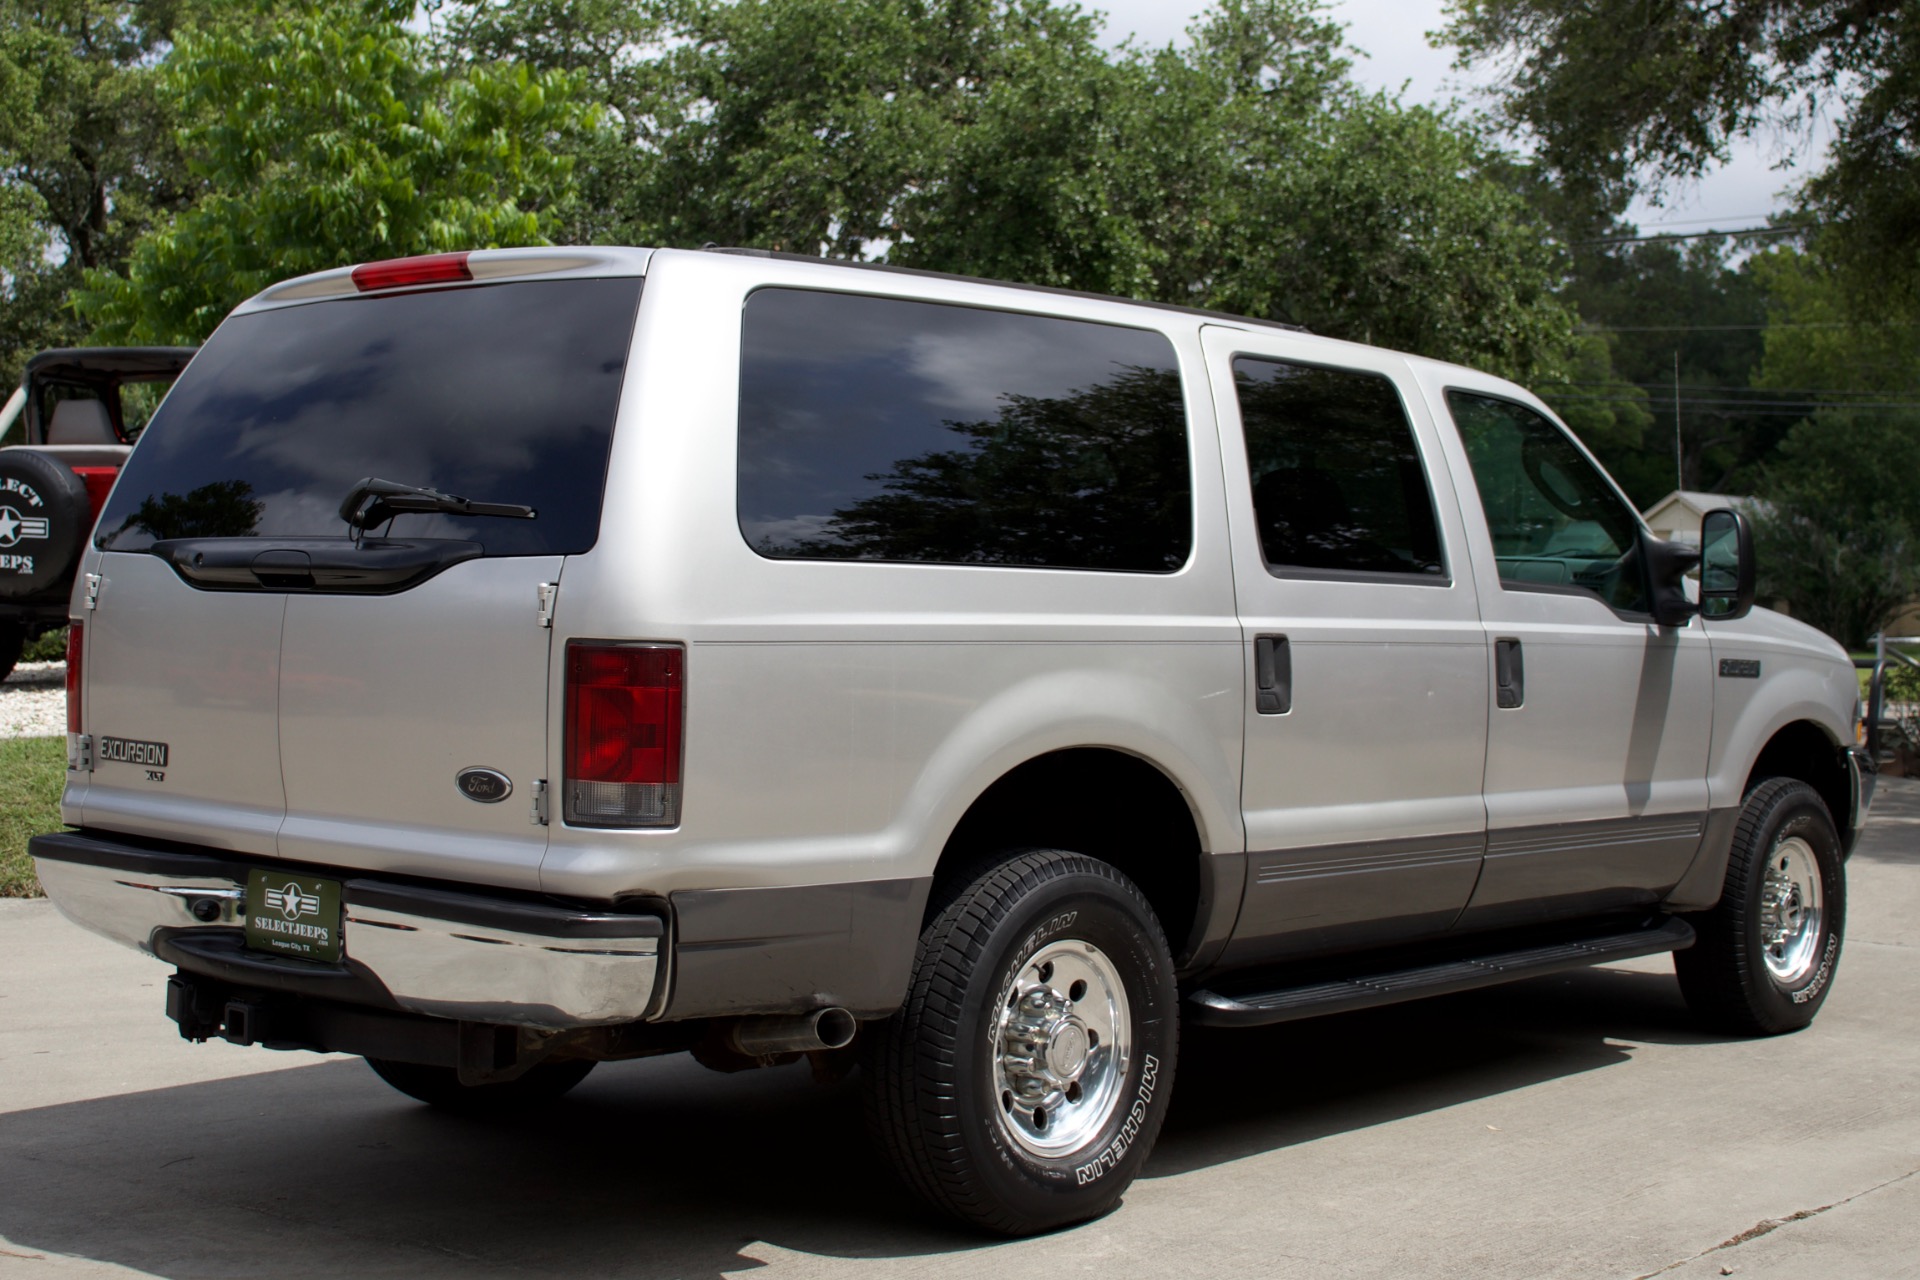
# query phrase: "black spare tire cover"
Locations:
[[44, 521]]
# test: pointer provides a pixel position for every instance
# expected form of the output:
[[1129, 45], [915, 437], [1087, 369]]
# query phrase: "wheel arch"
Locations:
[[1106, 802], [1808, 751]]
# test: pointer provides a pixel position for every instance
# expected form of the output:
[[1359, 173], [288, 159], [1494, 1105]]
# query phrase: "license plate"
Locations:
[[293, 915]]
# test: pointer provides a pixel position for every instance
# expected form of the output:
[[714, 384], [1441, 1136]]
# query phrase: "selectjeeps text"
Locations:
[[498, 663]]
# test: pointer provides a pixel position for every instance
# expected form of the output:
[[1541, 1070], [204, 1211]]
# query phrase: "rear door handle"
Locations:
[[1272, 675], [1509, 674]]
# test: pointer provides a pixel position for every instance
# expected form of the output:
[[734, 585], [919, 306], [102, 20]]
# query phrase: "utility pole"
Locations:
[[1679, 470]]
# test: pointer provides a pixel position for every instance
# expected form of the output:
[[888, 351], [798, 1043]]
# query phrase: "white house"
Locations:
[[1676, 517]]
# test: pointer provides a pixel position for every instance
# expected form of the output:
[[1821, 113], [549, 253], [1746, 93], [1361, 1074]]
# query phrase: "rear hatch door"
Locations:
[[409, 674]]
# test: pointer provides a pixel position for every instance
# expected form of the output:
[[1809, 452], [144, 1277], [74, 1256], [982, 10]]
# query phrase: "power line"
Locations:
[[1689, 235], [1694, 222], [1731, 328], [1716, 402], [1711, 386]]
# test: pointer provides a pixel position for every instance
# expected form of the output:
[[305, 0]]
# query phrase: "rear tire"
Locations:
[[440, 1087], [1766, 954], [1022, 1084]]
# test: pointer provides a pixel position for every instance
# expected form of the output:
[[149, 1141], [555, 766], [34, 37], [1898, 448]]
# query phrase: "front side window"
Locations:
[[884, 429], [1555, 521], [1338, 488]]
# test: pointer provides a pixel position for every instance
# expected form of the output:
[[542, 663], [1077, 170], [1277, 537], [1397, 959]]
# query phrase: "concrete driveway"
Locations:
[[1568, 1126]]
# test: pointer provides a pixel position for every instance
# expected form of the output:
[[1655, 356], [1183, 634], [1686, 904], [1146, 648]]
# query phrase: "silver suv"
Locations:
[[492, 664]]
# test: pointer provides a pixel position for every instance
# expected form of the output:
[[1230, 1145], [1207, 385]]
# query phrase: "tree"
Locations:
[[1622, 93], [327, 136], [998, 138], [1660, 304], [1839, 539], [87, 156], [1842, 540]]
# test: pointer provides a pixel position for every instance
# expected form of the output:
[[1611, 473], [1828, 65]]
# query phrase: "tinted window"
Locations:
[[1555, 520], [501, 393], [876, 429], [1337, 481]]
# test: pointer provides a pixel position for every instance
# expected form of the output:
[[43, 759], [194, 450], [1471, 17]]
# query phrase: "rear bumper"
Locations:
[[435, 951]]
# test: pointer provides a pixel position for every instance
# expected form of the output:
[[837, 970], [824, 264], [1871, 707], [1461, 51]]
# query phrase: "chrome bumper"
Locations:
[[444, 953]]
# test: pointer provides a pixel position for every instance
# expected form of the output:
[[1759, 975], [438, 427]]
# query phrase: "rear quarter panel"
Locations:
[[842, 716]]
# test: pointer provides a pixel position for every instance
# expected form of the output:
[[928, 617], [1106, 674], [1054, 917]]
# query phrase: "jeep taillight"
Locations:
[[623, 734], [75, 646]]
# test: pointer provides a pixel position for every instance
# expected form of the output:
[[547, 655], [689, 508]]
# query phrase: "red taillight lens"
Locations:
[[75, 647], [623, 734], [431, 268]]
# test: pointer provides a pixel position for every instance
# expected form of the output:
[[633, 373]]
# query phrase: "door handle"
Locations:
[[1509, 674], [1272, 675]]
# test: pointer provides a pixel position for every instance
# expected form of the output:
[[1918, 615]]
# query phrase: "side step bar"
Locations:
[[1365, 991]]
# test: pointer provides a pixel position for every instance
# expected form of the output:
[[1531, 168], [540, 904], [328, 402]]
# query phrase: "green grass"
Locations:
[[32, 771]]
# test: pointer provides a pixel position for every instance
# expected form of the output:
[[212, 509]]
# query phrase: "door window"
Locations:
[[1338, 488], [1557, 524]]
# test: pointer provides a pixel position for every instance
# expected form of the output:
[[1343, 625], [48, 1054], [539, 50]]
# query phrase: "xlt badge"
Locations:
[[488, 786], [131, 751]]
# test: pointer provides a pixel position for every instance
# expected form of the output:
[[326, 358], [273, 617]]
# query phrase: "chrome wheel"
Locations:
[[1791, 910], [1062, 1042]]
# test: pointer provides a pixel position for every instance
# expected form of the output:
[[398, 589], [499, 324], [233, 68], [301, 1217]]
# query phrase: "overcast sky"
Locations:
[[1393, 34]]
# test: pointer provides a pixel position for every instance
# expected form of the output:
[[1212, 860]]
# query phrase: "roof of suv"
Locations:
[[500, 264]]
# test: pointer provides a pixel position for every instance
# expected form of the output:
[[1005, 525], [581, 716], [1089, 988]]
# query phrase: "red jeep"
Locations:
[[79, 411]]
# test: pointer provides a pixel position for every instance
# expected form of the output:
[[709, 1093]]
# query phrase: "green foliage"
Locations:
[[1842, 543], [1818, 341], [324, 135], [1619, 93], [87, 157], [32, 773], [1840, 538], [50, 646], [1709, 314], [999, 138]]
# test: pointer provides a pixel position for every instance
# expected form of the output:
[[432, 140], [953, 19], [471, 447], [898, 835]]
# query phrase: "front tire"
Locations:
[[440, 1087], [1766, 954], [1023, 1083]]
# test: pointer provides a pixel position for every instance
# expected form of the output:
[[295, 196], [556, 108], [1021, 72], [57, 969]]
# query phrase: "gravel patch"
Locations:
[[33, 701]]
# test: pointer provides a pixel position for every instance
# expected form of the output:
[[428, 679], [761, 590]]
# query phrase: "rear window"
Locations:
[[498, 393], [882, 429]]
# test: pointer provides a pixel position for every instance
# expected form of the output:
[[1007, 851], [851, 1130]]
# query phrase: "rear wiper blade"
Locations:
[[374, 501]]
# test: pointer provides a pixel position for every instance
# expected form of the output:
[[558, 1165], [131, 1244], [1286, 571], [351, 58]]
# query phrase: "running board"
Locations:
[[1368, 990]]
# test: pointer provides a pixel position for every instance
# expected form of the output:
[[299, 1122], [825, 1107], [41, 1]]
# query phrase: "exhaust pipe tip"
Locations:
[[793, 1033]]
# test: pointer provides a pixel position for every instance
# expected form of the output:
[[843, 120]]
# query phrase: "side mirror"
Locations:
[[1668, 564], [1726, 565]]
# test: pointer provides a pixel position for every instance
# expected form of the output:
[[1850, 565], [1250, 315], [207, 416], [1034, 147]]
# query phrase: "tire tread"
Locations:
[[912, 1104]]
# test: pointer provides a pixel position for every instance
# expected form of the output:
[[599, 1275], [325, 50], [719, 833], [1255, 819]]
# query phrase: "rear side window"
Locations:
[[1338, 487], [880, 429], [498, 393]]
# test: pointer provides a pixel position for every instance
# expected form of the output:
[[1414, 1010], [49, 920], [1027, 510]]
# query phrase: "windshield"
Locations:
[[501, 393]]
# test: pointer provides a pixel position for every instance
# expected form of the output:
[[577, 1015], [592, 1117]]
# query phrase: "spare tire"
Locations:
[[44, 521]]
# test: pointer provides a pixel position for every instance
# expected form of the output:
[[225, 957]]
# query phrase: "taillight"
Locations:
[[431, 268], [623, 734], [75, 647]]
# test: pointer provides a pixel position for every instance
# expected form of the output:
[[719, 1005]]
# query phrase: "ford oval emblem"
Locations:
[[488, 786]]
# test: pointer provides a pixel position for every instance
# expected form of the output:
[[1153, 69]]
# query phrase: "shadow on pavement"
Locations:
[[660, 1168], [1894, 833]]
